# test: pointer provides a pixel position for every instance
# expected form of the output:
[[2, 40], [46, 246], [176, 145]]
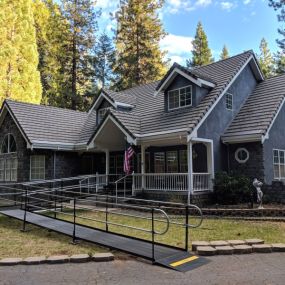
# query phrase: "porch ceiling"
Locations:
[[110, 137]]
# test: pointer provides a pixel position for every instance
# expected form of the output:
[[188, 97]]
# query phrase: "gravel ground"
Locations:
[[267, 269]]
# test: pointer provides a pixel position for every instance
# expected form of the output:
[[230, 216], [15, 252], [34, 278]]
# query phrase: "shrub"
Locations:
[[232, 189]]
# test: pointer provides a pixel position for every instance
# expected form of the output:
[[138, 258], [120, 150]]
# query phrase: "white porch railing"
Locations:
[[171, 182]]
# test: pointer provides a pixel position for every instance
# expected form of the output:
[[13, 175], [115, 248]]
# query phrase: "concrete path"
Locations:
[[267, 269]]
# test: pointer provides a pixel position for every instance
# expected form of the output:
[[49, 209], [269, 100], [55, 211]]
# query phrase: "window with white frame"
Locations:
[[229, 101], [2, 169], [8, 144], [279, 164], [180, 98], [37, 167], [159, 162], [172, 161], [101, 114], [241, 155]]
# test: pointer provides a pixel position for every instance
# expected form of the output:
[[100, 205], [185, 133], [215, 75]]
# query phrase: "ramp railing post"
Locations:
[[55, 194], [25, 213], [186, 227], [152, 234], [74, 220], [106, 214]]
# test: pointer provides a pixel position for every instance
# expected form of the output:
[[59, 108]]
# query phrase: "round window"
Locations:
[[242, 155]]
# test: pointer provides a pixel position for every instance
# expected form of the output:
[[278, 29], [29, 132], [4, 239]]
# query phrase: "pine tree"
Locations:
[[82, 20], [52, 32], [19, 77], [201, 53], [265, 59], [103, 61], [225, 53], [279, 5], [279, 60], [137, 39]]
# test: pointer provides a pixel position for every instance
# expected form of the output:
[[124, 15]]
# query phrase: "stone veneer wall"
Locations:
[[275, 192]]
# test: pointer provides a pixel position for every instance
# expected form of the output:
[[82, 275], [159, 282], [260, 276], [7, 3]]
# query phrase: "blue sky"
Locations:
[[240, 24]]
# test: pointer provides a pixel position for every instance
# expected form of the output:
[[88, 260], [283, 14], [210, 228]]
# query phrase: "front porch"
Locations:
[[170, 163]]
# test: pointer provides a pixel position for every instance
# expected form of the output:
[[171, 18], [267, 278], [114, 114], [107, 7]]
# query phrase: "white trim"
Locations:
[[279, 164], [266, 136], [238, 159], [178, 89], [98, 101], [172, 75], [160, 133], [6, 107], [219, 98], [109, 117]]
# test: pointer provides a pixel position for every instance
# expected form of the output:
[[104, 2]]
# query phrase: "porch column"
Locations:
[[143, 165], [190, 171], [210, 162], [107, 153]]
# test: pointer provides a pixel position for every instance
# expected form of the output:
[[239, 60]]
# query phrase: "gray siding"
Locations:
[[276, 141], [220, 118]]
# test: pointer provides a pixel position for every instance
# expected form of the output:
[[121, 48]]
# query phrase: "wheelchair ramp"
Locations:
[[182, 261], [166, 256]]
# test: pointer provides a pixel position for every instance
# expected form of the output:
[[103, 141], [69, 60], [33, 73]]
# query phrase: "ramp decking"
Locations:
[[162, 254]]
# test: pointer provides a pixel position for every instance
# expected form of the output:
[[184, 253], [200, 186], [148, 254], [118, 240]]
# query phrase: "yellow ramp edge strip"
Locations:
[[180, 262]]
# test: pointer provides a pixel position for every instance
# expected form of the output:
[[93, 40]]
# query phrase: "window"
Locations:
[[172, 161], [159, 162], [8, 144], [8, 169], [183, 161], [101, 114], [229, 101], [241, 155], [117, 164], [279, 164], [37, 167], [2, 169], [179, 98]]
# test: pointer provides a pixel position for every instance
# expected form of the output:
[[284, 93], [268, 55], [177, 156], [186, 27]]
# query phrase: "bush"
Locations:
[[232, 189]]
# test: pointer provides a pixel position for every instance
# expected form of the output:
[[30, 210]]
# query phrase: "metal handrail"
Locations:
[[116, 183]]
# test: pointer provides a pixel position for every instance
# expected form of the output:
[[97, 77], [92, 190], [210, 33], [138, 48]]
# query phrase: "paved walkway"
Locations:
[[261, 269]]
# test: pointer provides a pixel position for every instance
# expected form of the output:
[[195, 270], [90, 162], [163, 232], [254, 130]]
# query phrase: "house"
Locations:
[[184, 128]]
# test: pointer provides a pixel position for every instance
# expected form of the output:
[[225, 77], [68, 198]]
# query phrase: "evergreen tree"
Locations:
[[82, 20], [265, 59], [201, 52], [19, 77], [138, 34], [52, 31], [279, 5], [103, 61], [279, 60], [225, 53]]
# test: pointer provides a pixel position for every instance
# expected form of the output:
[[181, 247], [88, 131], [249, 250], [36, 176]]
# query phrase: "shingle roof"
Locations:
[[45, 123], [151, 110], [259, 110]]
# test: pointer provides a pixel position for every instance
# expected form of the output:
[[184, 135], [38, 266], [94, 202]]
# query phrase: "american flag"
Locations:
[[129, 152]]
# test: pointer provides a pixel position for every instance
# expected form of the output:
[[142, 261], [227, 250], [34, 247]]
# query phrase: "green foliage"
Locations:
[[201, 52], [103, 61], [82, 20], [52, 31], [231, 188], [19, 77], [225, 53], [266, 61], [137, 39], [279, 5], [279, 59]]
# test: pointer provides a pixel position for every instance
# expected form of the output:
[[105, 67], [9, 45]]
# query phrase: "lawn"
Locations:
[[38, 241]]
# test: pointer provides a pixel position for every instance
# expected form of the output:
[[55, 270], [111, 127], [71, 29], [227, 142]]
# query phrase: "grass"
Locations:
[[38, 241]]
